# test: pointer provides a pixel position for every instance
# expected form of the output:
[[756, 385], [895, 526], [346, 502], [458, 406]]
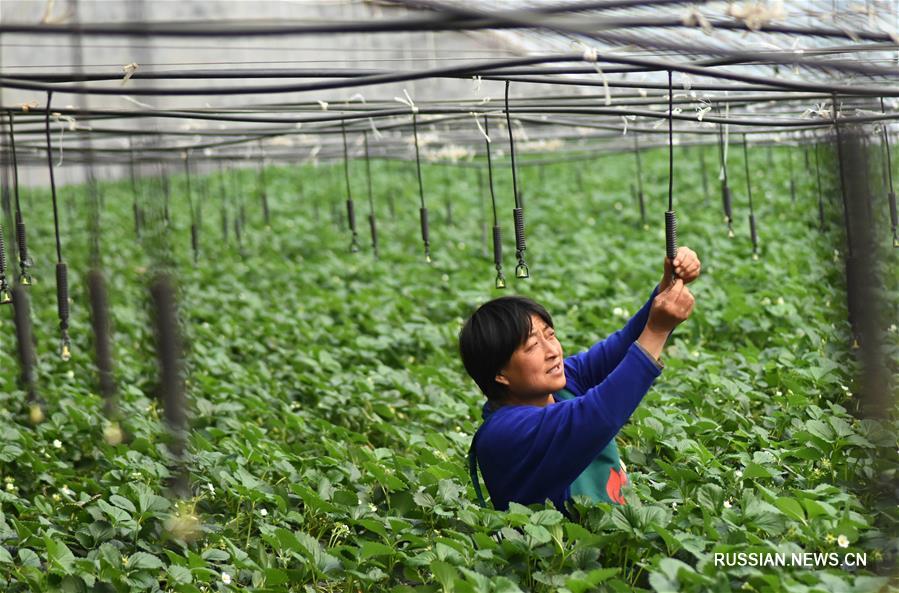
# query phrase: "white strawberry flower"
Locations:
[[843, 541], [263, 512], [57, 443], [727, 504], [226, 578]]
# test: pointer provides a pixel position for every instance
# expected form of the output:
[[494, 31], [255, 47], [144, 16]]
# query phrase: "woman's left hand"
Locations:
[[686, 266]]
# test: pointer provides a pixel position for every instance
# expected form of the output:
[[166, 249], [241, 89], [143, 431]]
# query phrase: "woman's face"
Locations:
[[535, 369]]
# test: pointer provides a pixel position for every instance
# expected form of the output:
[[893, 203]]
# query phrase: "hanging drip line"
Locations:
[[752, 230], [792, 179], [888, 165], [725, 188], [670, 216], [703, 174], [194, 231], [639, 164], [223, 210], [62, 280], [21, 237], [134, 205], [423, 210], [500, 281], [372, 223], [521, 270], [836, 126], [350, 206], [263, 189], [820, 193], [5, 294]]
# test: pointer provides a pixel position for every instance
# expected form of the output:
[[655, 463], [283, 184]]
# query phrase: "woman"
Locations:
[[550, 423]]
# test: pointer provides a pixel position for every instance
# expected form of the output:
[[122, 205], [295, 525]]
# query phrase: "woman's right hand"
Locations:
[[670, 308]]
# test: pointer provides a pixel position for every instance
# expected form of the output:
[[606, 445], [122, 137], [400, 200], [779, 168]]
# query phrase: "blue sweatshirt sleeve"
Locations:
[[531, 453], [588, 369]]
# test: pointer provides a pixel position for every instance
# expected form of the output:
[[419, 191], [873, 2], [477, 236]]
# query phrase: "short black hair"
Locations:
[[492, 334]]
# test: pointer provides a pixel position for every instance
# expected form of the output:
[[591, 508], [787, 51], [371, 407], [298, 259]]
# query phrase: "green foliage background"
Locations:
[[331, 416]]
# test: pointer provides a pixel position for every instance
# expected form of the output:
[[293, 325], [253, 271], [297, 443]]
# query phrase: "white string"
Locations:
[[477, 120], [129, 70], [407, 101]]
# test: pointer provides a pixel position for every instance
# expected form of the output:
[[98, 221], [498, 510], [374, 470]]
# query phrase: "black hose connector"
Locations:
[[24, 259], [754, 235], [195, 241], [498, 256], [518, 216], [894, 218], [25, 343], [373, 227], [2, 254], [671, 235], [821, 214], [62, 307], [96, 286], [425, 232], [351, 220], [266, 215], [62, 294], [5, 294], [224, 225], [521, 270], [136, 209]]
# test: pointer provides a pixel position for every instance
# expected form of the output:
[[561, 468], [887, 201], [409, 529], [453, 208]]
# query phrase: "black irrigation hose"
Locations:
[[21, 234], [891, 195], [521, 270], [843, 195], [461, 20], [372, 223], [27, 359], [639, 171], [725, 188], [752, 230], [263, 187], [464, 71], [423, 210], [194, 230], [350, 205], [821, 222], [670, 215], [62, 279], [5, 294], [500, 281]]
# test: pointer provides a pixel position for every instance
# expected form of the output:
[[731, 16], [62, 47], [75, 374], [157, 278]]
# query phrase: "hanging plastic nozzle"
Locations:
[[425, 233], [498, 256], [62, 303]]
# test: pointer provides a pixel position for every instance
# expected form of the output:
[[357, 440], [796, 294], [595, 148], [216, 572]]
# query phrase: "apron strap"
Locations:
[[473, 470]]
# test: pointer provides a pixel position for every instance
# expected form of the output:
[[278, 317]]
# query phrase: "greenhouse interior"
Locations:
[[509, 296]]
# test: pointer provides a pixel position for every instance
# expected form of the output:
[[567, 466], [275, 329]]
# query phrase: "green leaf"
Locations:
[[5, 556], [756, 471], [547, 517], [60, 558], [445, 574], [143, 561], [791, 508], [122, 503], [179, 575], [369, 549]]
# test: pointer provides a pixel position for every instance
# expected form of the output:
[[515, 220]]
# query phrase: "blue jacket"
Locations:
[[528, 454]]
